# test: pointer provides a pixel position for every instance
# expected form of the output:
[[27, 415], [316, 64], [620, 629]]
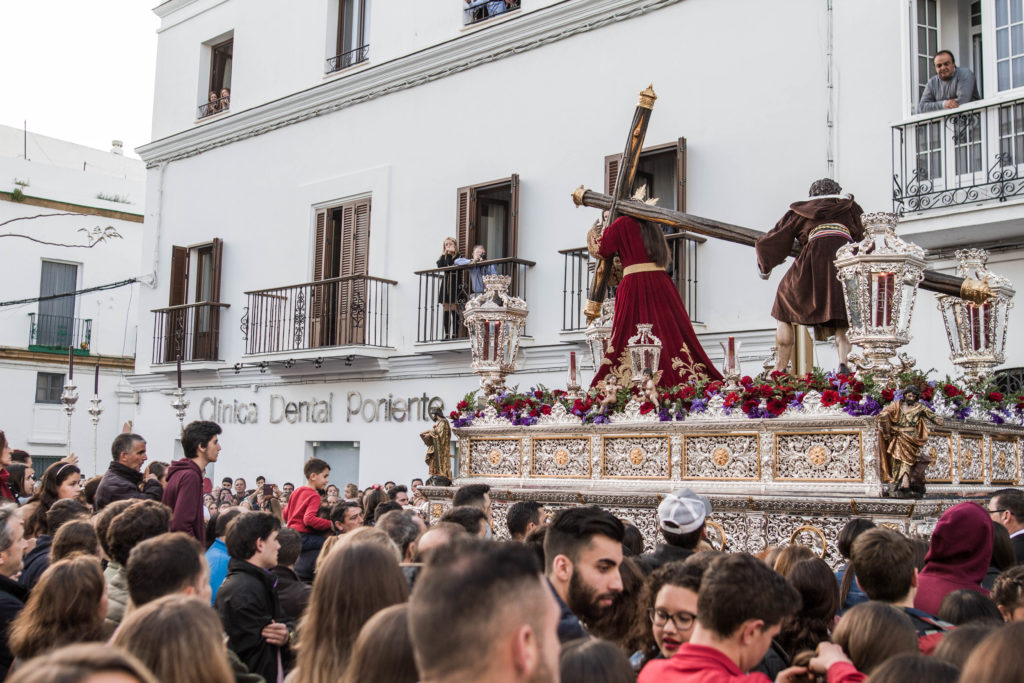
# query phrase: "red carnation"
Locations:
[[687, 392], [578, 406], [545, 410], [462, 405], [454, 415], [646, 407], [951, 391], [538, 394], [766, 390], [775, 407], [995, 397], [927, 393], [855, 397], [829, 397], [888, 394], [534, 413]]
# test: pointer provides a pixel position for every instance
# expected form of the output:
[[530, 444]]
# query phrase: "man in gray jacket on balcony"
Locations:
[[950, 87]]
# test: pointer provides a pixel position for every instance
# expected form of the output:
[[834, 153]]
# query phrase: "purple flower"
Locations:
[[601, 419], [664, 416], [962, 412], [699, 405], [996, 417], [680, 415], [462, 422]]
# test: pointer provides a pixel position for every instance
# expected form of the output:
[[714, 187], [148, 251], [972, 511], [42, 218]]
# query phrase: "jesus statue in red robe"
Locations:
[[648, 295]]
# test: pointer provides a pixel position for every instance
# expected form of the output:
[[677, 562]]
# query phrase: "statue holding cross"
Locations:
[[638, 212], [646, 293]]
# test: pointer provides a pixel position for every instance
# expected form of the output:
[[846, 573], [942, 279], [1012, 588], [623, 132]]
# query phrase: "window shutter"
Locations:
[[464, 224], [513, 223], [681, 175], [348, 219], [611, 172], [179, 276], [319, 244], [218, 252], [361, 239]]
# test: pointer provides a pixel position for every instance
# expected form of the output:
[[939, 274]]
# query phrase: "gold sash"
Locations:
[[641, 268]]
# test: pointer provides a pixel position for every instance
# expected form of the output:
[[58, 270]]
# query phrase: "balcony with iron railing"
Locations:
[[970, 155], [578, 269], [481, 10], [443, 293], [212, 107], [57, 332], [190, 332], [339, 312], [347, 59]]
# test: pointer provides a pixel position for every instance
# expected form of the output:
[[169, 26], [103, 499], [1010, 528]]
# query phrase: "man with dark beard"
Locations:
[[582, 554]]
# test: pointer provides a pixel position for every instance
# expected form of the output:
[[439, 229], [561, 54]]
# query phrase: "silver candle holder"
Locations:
[[69, 397], [94, 414], [180, 405]]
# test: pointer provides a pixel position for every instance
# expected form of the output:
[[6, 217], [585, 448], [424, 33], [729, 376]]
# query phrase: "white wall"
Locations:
[[745, 82]]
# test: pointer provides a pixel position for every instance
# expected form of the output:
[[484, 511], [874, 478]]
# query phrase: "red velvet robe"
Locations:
[[650, 297]]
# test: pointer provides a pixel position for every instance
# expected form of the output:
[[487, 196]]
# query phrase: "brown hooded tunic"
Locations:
[[810, 293]]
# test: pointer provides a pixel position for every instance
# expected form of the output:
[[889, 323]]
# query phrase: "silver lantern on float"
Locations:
[[599, 332], [644, 352], [496, 321], [880, 275], [977, 331]]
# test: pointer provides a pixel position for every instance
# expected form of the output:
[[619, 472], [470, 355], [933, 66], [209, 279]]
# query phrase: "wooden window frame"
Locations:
[[467, 215], [611, 168], [217, 62], [361, 18]]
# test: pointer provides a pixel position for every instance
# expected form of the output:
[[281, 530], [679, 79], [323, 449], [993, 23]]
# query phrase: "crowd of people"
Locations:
[[140, 575]]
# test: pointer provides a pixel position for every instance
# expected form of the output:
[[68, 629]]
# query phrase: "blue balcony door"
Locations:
[[57, 316]]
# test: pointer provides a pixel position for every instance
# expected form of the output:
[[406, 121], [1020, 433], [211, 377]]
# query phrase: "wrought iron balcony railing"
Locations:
[[58, 332], [214, 107], [971, 154], [190, 332], [479, 10], [341, 311], [347, 59], [443, 293], [578, 269]]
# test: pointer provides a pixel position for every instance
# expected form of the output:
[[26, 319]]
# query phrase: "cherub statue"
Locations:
[[650, 387], [611, 393]]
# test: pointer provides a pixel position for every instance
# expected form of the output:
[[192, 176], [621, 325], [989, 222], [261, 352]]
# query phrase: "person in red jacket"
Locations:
[[184, 490], [304, 503], [740, 608]]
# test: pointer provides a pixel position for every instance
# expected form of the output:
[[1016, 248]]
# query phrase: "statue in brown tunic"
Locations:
[[809, 293], [438, 440], [902, 435]]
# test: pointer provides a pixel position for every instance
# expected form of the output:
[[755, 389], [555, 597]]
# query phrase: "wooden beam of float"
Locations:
[[934, 281]]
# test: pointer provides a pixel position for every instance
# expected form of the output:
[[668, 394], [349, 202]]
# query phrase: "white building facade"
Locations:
[[306, 168], [60, 193]]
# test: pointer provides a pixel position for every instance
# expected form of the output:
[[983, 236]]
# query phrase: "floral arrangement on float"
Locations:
[[767, 396]]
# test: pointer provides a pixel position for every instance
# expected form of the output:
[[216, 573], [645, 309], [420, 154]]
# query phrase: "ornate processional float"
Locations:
[[783, 457]]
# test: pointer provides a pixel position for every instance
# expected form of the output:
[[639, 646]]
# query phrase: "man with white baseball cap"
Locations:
[[681, 515]]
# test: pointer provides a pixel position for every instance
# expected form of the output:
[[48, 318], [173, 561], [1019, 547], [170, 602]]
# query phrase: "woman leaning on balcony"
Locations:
[[446, 296]]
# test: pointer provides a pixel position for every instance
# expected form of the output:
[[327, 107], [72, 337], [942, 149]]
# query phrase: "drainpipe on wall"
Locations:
[[151, 279], [830, 164]]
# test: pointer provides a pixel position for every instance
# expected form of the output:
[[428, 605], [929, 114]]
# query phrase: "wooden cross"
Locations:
[[620, 204]]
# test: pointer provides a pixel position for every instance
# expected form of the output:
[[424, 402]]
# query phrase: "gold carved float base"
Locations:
[[770, 481]]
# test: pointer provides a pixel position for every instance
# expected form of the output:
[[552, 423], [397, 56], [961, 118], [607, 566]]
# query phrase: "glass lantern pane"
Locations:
[[949, 314], [907, 306], [853, 301]]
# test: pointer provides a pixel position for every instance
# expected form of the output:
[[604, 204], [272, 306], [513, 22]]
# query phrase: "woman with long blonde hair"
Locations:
[[447, 295], [180, 638]]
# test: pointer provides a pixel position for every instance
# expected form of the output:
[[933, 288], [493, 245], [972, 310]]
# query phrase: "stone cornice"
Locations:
[[506, 39], [8, 353]]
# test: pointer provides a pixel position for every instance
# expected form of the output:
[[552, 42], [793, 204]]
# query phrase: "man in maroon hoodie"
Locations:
[[184, 490], [959, 556], [810, 293]]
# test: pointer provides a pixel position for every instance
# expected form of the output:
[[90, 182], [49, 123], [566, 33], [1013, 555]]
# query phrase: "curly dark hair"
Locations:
[[684, 575], [140, 521], [824, 186]]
